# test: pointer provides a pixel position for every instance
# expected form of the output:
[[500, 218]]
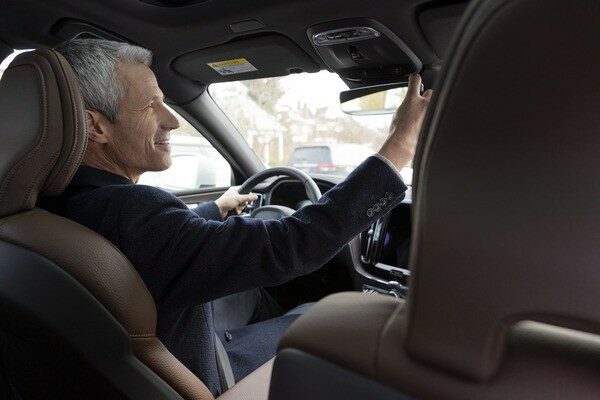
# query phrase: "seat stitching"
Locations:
[[107, 242], [17, 167], [76, 139], [5, 220], [141, 335], [39, 146], [14, 216]]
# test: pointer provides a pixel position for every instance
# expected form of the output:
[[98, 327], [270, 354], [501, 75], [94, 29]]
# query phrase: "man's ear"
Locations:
[[96, 126]]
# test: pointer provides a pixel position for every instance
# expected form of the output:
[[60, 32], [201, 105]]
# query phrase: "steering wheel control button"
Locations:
[[370, 212], [389, 195]]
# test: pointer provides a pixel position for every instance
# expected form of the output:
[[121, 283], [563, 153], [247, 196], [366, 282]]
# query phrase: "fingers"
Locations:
[[414, 85], [232, 191], [232, 200], [244, 198], [242, 201]]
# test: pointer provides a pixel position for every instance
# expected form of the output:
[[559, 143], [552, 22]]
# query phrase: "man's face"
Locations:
[[139, 139]]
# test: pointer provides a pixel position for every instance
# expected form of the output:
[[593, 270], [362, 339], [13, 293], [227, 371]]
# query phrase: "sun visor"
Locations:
[[249, 58]]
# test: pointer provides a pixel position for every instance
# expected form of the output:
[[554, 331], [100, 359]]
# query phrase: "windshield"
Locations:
[[296, 120]]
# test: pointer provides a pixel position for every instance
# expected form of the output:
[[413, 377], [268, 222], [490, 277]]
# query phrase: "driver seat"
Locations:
[[77, 321]]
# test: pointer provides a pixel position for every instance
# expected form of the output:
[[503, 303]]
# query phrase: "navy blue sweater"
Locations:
[[189, 258]]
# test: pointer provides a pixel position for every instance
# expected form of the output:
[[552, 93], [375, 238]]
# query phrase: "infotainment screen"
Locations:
[[395, 251], [386, 244], [396, 239]]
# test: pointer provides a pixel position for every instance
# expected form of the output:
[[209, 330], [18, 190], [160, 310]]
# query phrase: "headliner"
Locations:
[[175, 30]]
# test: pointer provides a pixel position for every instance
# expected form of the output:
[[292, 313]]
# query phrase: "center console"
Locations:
[[384, 254]]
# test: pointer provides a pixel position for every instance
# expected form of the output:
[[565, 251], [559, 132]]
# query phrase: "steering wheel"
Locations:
[[275, 211]]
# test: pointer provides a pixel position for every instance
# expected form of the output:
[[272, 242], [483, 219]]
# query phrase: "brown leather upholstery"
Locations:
[[366, 333], [91, 260], [508, 196], [352, 321], [506, 225], [253, 387], [43, 131], [154, 354]]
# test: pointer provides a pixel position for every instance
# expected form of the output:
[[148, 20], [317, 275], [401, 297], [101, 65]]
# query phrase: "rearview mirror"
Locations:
[[373, 100]]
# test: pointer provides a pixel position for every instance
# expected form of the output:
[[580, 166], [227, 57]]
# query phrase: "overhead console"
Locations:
[[363, 52]]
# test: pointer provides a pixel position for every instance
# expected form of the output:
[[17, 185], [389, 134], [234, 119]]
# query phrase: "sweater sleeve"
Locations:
[[186, 259]]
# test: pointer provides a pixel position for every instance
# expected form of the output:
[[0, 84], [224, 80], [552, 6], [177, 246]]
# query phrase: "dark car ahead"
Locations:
[[333, 159]]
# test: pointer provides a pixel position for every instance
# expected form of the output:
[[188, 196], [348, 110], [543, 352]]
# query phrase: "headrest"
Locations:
[[42, 127], [507, 197]]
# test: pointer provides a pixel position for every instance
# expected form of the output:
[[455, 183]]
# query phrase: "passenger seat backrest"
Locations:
[[503, 294], [43, 133], [506, 218]]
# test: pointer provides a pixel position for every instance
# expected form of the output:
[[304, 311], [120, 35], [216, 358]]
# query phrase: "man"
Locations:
[[189, 258]]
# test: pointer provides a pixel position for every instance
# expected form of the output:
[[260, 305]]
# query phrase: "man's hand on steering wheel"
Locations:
[[231, 200]]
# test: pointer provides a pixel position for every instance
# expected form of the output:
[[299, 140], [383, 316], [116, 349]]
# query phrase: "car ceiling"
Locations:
[[175, 28]]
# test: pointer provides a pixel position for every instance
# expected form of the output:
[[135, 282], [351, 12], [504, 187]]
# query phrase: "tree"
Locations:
[[265, 92]]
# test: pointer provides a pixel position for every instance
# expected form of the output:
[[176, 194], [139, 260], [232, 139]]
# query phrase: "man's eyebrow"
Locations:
[[155, 97]]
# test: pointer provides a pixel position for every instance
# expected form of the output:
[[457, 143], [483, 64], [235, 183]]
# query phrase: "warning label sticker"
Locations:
[[231, 67]]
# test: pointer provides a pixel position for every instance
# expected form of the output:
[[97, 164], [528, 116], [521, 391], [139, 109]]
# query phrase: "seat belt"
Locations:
[[223, 365]]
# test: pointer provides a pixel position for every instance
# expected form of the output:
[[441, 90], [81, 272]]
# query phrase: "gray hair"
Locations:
[[95, 63]]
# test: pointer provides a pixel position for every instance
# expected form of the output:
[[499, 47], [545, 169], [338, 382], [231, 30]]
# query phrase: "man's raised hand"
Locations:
[[400, 145]]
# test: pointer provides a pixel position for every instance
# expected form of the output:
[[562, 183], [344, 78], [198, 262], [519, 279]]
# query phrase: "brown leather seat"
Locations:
[[503, 301], [43, 140]]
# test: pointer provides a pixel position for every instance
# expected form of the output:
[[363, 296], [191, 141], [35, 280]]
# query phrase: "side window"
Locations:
[[196, 163], [9, 58]]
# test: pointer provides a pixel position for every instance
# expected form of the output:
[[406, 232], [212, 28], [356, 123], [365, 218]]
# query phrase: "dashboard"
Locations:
[[384, 253], [292, 194], [376, 260]]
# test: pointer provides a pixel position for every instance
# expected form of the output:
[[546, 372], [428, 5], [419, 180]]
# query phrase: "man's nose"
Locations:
[[169, 122]]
